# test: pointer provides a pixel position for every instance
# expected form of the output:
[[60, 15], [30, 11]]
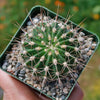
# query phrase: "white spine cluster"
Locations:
[[38, 48], [32, 58], [64, 46], [43, 29], [30, 35], [41, 35], [67, 54], [55, 61], [54, 30], [31, 43], [42, 58]]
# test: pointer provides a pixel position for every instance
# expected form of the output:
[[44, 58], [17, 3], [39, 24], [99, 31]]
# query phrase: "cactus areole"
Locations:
[[50, 54]]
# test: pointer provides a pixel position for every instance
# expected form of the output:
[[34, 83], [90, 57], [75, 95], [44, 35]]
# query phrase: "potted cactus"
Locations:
[[48, 53]]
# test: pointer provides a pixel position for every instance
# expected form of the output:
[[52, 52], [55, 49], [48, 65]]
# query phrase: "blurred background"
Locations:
[[15, 10]]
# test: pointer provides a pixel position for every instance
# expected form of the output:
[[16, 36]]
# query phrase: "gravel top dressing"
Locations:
[[49, 53]]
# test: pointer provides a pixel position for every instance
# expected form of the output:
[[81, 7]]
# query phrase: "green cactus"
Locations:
[[51, 48]]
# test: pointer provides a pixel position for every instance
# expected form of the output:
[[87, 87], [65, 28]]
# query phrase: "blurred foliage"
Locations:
[[15, 10]]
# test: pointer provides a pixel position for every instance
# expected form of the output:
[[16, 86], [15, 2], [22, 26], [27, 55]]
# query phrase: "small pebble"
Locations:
[[68, 85], [82, 34], [89, 53], [21, 78], [27, 70], [29, 82], [53, 90], [26, 79], [22, 72], [83, 51], [86, 49], [85, 56], [78, 68], [16, 72], [9, 68], [21, 75], [44, 91], [8, 56], [71, 81], [35, 20], [35, 85], [4, 66], [13, 63], [47, 88], [29, 23], [39, 87], [57, 90], [57, 98], [94, 45], [14, 59], [63, 97], [76, 75], [53, 94], [10, 60], [16, 52], [13, 69], [90, 39], [80, 39], [65, 90], [49, 93], [18, 65]]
